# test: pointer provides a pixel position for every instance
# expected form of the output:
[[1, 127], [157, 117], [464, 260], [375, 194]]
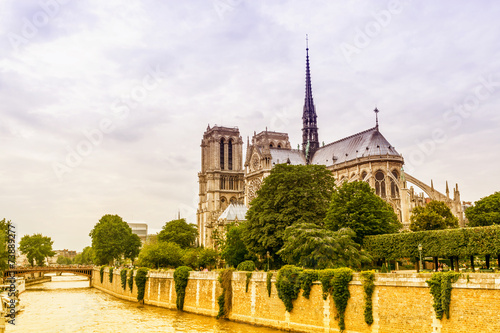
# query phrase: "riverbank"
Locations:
[[38, 280], [401, 302]]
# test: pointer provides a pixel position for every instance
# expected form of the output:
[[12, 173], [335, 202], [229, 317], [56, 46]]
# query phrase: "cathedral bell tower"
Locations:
[[221, 177], [310, 142]]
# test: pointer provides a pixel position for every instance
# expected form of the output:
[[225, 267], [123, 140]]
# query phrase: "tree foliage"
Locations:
[[161, 254], [86, 257], [311, 245], [233, 249], [179, 232], [62, 260], [436, 243], [433, 216], [4, 240], [290, 194], [355, 205], [485, 211], [36, 248], [112, 238]]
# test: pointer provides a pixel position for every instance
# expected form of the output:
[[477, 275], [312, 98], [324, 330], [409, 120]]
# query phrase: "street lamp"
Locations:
[[420, 251], [268, 261]]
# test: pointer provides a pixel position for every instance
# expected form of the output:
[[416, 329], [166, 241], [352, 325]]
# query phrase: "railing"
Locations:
[[83, 270]]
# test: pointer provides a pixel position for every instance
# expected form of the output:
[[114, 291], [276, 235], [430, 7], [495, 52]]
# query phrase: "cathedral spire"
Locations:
[[310, 127]]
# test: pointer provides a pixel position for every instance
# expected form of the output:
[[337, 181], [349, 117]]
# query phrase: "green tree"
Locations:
[[132, 247], [234, 250], [485, 211], [62, 260], [111, 239], [4, 240], [36, 248], [433, 216], [179, 232], [290, 194], [354, 205], [161, 254], [86, 257], [313, 246]]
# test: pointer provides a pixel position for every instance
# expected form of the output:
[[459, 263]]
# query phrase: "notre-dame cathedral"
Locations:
[[227, 185]]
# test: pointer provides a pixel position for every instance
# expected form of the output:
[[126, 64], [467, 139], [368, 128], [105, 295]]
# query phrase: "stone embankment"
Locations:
[[401, 302]]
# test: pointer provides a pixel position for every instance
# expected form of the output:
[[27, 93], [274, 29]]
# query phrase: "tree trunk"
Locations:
[[457, 266], [452, 267], [472, 263], [417, 265], [435, 263], [487, 259]]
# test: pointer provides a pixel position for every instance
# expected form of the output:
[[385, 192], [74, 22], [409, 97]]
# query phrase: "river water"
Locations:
[[67, 304]]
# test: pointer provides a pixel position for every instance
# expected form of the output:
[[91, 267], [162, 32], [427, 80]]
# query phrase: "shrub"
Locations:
[[181, 276], [248, 266], [111, 275]]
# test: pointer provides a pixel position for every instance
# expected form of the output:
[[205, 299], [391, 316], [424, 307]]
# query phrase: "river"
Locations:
[[67, 304]]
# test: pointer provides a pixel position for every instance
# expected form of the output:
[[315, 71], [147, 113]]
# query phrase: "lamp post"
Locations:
[[268, 261], [420, 251]]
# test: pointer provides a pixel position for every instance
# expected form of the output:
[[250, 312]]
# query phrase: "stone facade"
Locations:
[[401, 302], [221, 177]]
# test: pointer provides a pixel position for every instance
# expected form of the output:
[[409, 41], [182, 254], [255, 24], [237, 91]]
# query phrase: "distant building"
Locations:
[[140, 229]]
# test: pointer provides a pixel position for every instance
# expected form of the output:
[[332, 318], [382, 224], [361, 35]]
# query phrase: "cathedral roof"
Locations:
[[234, 212], [291, 156], [367, 143]]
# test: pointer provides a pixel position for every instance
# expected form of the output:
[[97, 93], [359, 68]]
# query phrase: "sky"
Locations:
[[104, 103]]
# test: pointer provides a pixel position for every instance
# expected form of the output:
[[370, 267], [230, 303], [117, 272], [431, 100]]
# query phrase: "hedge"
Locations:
[[436, 243]]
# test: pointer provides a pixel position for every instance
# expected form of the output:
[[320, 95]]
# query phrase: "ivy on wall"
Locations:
[[101, 272], [140, 282], [123, 277], [111, 275], [247, 282], [306, 278], [340, 292], [181, 275], [269, 284], [288, 285], [440, 288], [225, 299], [368, 278], [131, 280]]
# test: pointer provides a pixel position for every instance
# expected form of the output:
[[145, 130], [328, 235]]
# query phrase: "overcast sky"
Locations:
[[104, 103]]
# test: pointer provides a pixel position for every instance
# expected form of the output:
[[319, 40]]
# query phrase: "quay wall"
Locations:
[[401, 302]]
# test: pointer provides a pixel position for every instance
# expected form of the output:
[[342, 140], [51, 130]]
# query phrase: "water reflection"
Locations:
[[68, 305]]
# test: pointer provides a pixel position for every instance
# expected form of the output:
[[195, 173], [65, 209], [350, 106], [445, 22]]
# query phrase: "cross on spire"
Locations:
[[376, 117]]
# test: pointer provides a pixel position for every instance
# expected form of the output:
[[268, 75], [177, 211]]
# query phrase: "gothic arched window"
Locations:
[[380, 184], [230, 155], [222, 154]]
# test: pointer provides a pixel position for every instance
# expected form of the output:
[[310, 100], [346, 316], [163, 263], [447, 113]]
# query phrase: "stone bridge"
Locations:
[[82, 270]]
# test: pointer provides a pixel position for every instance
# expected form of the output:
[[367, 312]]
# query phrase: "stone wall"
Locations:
[[401, 302]]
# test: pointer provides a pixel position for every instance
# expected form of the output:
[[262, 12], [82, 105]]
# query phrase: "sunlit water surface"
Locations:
[[67, 304]]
